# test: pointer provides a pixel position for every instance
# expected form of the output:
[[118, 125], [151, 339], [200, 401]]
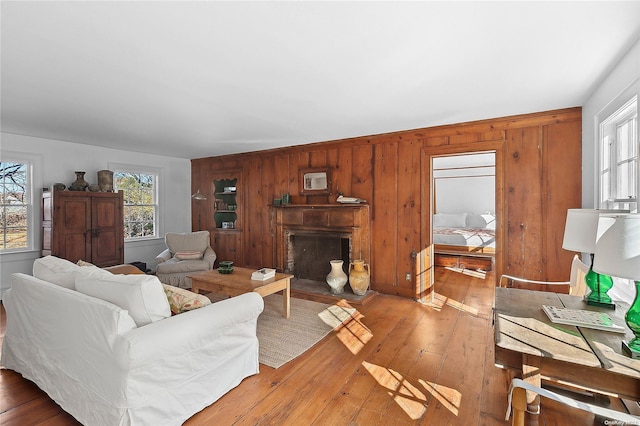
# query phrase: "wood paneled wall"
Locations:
[[540, 163]]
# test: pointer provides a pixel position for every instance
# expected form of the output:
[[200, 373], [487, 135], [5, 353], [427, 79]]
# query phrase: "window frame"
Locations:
[[31, 205], [608, 145], [622, 289], [157, 177]]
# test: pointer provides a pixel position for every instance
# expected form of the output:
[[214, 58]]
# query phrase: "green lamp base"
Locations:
[[630, 352], [599, 302], [599, 284]]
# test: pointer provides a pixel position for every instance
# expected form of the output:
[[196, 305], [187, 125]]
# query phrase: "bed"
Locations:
[[464, 233]]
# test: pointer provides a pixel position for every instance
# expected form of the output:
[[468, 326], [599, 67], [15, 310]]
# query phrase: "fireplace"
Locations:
[[307, 237], [309, 253]]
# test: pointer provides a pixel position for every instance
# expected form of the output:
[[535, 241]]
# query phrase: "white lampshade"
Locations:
[[581, 227], [580, 230], [618, 246]]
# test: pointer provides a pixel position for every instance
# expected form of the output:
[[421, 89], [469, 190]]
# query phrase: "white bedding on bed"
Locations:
[[464, 229]]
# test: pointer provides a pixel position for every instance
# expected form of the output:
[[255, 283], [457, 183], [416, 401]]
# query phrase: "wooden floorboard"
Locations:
[[398, 362]]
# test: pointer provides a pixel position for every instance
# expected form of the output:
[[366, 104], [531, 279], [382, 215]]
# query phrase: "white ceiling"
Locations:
[[198, 79]]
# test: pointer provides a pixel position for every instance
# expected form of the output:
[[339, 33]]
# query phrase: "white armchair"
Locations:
[[186, 253]]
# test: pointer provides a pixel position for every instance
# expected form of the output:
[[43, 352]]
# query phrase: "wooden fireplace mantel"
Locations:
[[352, 219]]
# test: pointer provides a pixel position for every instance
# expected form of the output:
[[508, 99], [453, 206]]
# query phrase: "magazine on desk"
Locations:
[[263, 274], [582, 318]]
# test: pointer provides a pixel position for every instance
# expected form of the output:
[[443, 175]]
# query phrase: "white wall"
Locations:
[[624, 77], [466, 195], [623, 80], [56, 161], [465, 183]]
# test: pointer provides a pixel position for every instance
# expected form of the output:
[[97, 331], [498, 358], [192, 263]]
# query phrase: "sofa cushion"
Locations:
[[176, 266], [181, 300], [141, 295], [189, 241], [56, 270], [188, 255]]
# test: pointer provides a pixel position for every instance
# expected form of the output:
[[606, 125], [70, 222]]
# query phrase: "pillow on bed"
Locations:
[[449, 220], [475, 221], [490, 219]]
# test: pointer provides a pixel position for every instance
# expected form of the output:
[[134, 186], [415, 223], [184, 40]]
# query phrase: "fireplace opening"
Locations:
[[309, 254]]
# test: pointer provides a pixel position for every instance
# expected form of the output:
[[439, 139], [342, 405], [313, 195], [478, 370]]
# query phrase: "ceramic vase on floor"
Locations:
[[337, 278], [359, 277]]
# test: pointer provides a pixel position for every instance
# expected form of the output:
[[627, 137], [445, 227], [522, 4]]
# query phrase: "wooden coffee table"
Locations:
[[239, 282]]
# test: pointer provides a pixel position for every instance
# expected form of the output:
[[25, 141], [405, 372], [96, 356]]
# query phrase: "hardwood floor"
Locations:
[[400, 363]]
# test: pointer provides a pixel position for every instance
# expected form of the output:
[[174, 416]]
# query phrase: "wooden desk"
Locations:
[[528, 342], [239, 282]]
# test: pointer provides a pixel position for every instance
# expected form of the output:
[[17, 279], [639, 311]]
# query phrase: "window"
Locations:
[[16, 206], [619, 159], [619, 172], [140, 202]]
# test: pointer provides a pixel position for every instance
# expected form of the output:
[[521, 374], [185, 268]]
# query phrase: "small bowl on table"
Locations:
[[225, 267]]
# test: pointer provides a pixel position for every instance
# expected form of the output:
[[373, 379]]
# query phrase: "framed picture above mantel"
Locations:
[[315, 181]]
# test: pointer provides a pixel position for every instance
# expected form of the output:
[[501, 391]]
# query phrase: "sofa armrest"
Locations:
[[164, 256], [210, 256], [193, 337]]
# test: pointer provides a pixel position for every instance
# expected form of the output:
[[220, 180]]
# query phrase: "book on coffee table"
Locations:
[[263, 274]]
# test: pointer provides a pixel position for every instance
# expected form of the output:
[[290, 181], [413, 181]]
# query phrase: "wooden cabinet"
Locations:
[[226, 232], [225, 203], [83, 226], [227, 245]]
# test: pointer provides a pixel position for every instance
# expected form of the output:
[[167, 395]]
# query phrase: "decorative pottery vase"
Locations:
[[359, 277], [225, 267], [80, 184], [337, 278], [105, 180]]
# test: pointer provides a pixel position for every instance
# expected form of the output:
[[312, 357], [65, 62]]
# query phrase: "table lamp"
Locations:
[[618, 254], [580, 235]]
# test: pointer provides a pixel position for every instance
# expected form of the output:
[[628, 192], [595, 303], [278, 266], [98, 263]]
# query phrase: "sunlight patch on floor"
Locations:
[[472, 273], [439, 301], [408, 397], [348, 326], [448, 397]]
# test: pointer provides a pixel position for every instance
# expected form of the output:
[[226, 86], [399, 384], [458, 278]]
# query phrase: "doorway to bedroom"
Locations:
[[464, 212]]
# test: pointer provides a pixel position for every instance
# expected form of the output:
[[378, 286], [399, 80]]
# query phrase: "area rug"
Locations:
[[281, 339]]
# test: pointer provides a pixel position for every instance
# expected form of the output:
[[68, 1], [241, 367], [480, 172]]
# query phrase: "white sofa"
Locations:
[[90, 357]]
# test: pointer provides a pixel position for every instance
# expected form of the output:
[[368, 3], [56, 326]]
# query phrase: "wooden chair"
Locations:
[[518, 403], [575, 286]]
